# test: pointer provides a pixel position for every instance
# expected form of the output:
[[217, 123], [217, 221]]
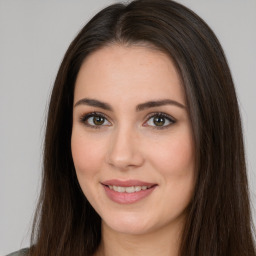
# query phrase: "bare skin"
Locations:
[[165, 242], [131, 124]]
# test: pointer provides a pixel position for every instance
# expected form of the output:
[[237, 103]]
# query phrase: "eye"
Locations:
[[95, 120], [160, 120]]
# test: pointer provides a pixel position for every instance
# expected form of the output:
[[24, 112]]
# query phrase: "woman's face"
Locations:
[[132, 142]]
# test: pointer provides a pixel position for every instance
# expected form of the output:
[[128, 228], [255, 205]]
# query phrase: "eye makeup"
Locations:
[[159, 120], [156, 120]]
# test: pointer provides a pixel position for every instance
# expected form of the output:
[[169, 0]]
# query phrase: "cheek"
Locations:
[[87, 154], [174, 156], [174, 159]]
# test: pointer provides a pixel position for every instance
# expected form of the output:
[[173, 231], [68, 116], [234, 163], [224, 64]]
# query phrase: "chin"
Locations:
[[127, 224], [135, 223]]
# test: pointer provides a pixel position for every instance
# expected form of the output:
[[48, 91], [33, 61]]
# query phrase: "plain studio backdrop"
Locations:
[[34, 36]]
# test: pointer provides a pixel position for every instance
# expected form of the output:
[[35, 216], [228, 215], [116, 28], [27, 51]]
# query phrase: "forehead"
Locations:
[[128, 72]]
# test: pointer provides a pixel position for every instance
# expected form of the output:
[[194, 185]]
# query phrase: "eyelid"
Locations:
[[160, 114], [84, 117]]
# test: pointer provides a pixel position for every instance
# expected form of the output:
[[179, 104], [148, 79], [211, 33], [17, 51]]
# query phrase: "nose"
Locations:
[[125, 150]]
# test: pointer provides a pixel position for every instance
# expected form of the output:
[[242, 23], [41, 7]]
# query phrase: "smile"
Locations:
[[128, 189], [127, 192]]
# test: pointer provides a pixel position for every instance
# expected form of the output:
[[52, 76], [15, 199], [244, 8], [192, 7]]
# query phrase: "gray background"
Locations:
[[33, 39]]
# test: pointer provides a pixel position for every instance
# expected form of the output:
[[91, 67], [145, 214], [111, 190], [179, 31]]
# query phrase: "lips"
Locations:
[[127, 192], [128, 183]]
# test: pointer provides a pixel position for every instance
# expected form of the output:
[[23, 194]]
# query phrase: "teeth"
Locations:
[[128, 189], [119, 189], [137, 188]]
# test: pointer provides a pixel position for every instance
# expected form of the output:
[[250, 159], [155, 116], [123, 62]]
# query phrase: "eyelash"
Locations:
[[84, 119]]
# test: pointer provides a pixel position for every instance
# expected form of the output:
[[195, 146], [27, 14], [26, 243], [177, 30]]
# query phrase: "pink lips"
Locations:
[[124, 197]]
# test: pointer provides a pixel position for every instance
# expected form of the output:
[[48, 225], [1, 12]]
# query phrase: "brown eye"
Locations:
[[98, 120], [95, 120], [159, 121]]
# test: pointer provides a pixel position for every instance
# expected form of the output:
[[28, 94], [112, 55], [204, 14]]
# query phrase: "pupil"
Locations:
[[159, 121], [98, 120]]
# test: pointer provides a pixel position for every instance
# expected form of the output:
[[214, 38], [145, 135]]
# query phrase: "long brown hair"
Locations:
[[219, 219]]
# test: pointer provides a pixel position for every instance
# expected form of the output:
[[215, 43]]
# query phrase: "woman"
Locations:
[[143, 148]]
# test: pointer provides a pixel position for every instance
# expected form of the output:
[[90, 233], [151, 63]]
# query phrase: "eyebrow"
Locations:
[[140, 107]]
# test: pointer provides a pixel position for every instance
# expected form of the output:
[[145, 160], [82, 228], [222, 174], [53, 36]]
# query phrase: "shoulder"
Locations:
[[22, 252]]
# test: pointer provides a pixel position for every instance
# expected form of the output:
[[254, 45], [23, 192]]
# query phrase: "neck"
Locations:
[[165, 241]]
